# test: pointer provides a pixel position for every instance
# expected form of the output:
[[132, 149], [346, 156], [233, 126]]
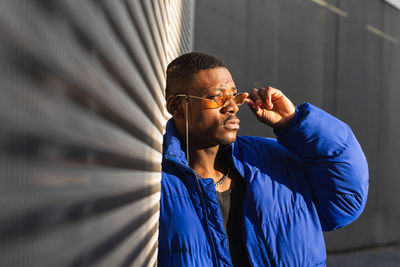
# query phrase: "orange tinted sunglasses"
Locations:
[[219, 101]]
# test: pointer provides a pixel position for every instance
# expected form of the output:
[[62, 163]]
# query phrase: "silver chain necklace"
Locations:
[[221, 181]]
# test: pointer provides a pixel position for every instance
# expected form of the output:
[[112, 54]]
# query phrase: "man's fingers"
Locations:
[[275, 94], [270, 91], [255, 97], [251, 104], [263, 95], [249, 101], [271, 106]]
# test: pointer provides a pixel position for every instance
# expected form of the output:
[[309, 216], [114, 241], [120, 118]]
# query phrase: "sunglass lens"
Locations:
[[239, 99], [223, 99]]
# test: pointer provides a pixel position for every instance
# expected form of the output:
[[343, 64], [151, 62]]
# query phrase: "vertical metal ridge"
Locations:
[[82, 114], [120, 19], [139, 18], [115, 63], [151, 20]]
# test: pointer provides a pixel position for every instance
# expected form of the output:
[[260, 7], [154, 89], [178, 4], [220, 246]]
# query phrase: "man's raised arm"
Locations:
[[326, 148]]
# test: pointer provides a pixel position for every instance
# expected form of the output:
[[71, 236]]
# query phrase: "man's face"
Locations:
[[217, 126]]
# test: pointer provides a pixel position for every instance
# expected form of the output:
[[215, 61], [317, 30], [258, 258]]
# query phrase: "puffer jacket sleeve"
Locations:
[[335, 166]]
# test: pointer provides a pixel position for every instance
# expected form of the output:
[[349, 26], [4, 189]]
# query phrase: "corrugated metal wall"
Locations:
[[343, 56], [81, 121]]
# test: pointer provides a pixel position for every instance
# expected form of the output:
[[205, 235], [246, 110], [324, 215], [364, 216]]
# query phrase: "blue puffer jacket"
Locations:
[[314, 178]]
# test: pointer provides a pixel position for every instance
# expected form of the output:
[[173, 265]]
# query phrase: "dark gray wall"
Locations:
[[316, 55]]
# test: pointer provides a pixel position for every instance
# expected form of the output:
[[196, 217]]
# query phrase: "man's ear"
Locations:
[[174, 106]]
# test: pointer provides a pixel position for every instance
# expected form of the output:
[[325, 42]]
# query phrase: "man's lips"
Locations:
[[232, 124]]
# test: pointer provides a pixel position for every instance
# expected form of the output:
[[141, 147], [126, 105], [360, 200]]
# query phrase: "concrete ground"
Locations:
[[375, 257]]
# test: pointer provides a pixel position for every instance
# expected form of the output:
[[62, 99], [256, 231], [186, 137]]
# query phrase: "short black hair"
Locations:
[[181, 70]]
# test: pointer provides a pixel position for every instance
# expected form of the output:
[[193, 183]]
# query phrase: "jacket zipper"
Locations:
[[202, 204], [205, 213]]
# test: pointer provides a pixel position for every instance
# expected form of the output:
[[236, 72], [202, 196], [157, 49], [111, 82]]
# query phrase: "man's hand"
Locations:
[[271, 107]]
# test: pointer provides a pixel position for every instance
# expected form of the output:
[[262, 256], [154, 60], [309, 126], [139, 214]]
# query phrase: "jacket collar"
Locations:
[[172, 148]]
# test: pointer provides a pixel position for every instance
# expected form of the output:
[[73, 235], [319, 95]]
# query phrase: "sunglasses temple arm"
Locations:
[[187, 130]]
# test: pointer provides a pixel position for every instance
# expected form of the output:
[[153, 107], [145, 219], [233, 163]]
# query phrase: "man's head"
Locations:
[[204, 76], [180, 71]]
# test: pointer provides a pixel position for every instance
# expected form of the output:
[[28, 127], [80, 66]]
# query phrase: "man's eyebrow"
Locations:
[[224, 89]]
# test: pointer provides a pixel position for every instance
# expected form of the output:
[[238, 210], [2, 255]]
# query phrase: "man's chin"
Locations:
[[228, 140]]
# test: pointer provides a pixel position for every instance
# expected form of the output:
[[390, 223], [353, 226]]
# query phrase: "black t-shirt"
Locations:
[[231, 203]]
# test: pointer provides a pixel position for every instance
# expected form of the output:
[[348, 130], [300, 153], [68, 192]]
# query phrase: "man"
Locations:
[[251, 201]]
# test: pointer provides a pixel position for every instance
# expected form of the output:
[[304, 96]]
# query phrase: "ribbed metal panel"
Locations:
[[82, 113]]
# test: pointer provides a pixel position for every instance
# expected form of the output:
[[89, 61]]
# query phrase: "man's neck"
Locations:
[[208, 162]]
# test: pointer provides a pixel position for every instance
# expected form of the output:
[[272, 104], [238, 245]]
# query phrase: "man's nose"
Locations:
[[232, 107]]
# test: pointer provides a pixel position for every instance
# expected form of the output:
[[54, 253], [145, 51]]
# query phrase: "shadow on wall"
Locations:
[[82, 113]]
